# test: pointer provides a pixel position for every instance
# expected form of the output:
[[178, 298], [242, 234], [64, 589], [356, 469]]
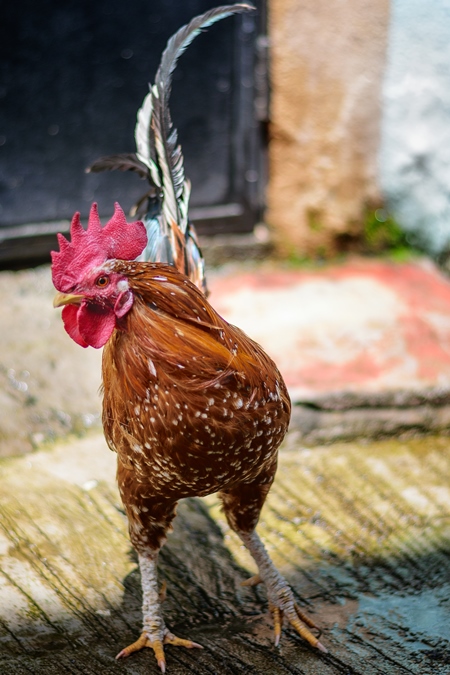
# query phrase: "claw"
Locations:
[[298, 620], [253, 581], [171, 639], [277, 619], [158, 647], [303, 631], [306, 634], [140, 643], [309, 622], [306, 619]]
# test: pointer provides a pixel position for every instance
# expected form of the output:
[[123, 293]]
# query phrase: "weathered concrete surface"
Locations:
[[48, 385], [318, 424], [327, 65], [361, 531]]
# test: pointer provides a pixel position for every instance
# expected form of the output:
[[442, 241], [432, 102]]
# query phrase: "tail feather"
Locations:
[[172, 237], [126, 161], [178, 43], [158, 247], [194, 262]]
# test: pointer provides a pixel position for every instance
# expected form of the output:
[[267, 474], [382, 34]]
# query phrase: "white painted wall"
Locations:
[[415, 142]]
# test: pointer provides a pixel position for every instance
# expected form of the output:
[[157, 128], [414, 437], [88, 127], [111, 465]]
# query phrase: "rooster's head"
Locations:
[[95, 297]]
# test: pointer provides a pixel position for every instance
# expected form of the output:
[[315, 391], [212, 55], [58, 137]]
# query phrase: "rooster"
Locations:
[[191, 405]]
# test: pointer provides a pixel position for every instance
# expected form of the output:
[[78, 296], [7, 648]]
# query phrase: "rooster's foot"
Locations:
[[157, 645], [283, 604]]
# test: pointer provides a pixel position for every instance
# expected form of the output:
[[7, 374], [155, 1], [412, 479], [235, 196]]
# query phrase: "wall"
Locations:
[[415, 143], [327, 64]]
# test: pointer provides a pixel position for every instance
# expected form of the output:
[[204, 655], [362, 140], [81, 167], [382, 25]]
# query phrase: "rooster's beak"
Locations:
[[61, 299]]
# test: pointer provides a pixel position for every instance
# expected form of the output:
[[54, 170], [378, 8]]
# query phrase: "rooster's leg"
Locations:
[[149, 520], [154, 634], [280, 596], [242, 506]]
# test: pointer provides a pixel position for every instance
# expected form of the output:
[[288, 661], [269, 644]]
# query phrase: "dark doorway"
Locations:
[[73, 75]]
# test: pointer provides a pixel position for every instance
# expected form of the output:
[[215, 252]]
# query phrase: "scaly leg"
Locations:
[[154, 634], [149, 519], [280, 596], [242, 505]]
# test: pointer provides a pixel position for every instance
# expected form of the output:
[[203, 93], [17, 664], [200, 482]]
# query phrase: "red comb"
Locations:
[[118, 239]]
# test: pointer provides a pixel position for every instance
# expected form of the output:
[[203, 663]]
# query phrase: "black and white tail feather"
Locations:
[[171, 236]]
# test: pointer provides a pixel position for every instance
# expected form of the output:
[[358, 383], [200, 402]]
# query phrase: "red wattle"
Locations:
[[95, 324], [89, 325], [69, 317]]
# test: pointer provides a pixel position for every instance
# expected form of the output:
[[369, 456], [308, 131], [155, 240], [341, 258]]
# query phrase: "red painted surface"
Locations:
[[386, 325]]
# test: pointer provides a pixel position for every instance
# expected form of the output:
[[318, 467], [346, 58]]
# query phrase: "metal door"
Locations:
[[73, 75]]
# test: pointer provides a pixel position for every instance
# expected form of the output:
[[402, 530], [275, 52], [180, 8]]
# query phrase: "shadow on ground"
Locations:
[[360, 531]]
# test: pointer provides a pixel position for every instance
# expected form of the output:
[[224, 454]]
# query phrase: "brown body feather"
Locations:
[[191, 405]]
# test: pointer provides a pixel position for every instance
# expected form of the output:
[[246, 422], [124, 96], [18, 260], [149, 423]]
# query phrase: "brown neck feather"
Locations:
[[173, 329]]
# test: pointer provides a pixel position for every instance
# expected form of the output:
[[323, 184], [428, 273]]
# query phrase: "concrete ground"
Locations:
[[360, 529]]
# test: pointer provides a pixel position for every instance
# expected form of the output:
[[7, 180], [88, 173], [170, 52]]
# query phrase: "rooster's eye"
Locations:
[[102, 281]]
